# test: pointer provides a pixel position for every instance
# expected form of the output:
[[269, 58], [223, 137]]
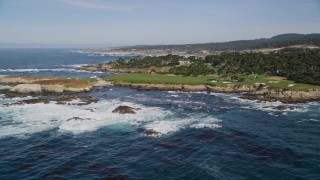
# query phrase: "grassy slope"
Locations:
[[160, 79], [271, 81]]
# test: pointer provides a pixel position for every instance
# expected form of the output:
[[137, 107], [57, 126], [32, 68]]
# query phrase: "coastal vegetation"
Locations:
[[147, 62], [295, 65]]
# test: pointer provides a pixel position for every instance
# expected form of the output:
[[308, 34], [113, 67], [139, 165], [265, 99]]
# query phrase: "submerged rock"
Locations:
[[148, 132], [77, 119], [125, 110], [151, 132]]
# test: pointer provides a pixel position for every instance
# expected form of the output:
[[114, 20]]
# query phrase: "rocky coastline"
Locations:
[[19, 86], [249, 92], [25, 86], [58, 93]]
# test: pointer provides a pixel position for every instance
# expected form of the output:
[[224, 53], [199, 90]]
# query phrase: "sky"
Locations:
[[133, 22]]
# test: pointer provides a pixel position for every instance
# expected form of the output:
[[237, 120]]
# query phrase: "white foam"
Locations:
[[269, 106], [75, 65], [213, 126], [165, 127], [24, 121], [43, 70], [207, 123], [174, 95], [309, 120], [169, 126]]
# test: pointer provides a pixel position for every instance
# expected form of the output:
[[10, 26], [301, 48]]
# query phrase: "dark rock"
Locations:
[[77, 119], [10, 94], [148, 132], [83, 100], [151, 132], [29, 101], [35, 101], [124, 110], [281, 108]]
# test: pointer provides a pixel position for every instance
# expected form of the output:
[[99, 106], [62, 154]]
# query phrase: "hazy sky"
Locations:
[[128, 22]]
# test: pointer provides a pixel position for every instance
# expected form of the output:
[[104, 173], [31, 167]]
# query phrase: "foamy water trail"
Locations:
[[21, 120]]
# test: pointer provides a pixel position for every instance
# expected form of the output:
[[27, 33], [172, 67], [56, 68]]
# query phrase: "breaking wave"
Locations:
[[20, 121], [42, 70]]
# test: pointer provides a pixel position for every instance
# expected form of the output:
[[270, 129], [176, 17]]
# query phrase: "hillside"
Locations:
[[283, 40]]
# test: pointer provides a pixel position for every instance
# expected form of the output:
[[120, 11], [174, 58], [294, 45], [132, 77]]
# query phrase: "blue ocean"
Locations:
[[203, 136]]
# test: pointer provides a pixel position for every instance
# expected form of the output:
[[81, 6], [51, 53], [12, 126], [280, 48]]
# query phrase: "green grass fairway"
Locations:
[[275, 82], [160, 79], [271, 81]]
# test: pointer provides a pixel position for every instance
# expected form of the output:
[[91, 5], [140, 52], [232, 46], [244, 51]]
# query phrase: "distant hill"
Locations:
[[283, 40]]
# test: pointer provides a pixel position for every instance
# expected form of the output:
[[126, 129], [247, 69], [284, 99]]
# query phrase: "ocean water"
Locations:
[[203, 136]]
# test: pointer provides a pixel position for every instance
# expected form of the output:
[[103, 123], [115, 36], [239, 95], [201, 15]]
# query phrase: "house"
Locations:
[[184, 62]]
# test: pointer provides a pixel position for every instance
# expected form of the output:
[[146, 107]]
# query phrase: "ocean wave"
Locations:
[[50, 116], [308, 120], [197, 121], [74, 65], [45, 70], [81, 119], [270, 106], [207, 123]]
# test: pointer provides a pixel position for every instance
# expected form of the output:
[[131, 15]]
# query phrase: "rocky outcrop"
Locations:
[[26, 88], [125, 110], [152, 133], [77, 119], [283, 95], [29, 101], [52, 88], [76, 90], [5, 87], [81, 100], [14, 80], [19, 86], [149, 132], [101, 83], [258, 91], [181, 87], [63, 100]]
